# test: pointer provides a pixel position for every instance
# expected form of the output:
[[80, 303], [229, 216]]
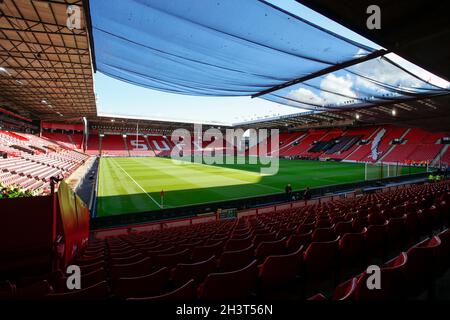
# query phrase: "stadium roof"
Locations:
[[45, 67], [417, 30], [175, 46]]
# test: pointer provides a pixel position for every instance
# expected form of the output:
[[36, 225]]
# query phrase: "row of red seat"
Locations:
[[33, 172], [407, 275], [264, 254]]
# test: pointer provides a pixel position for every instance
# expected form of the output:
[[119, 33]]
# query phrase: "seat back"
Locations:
[[235, 285], [352, 245], [320, 256], [99, 291], [234, 260], [295, 241], [201, 253], [343, 227], [135, 269], [392, 281], [279, 270], [172, 259], [346, 290], [267, 248], [196, 271], [148, 285], [323, 234], [186, 292]]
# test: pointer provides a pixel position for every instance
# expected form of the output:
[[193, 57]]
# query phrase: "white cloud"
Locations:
[[341, 85]]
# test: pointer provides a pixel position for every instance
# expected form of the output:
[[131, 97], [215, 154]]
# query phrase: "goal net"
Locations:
[[381, 170]]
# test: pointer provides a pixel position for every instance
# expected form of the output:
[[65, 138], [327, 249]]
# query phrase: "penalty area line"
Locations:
[[138, 185]]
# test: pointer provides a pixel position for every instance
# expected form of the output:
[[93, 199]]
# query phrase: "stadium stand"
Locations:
[[33, 161], [122, 266], [301, 228], [93, 145], [61, 138], [419, 145], [138, 146], [114, 145], [160, 145]]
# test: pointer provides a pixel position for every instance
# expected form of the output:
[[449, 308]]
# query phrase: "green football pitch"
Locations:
[[129, 185]]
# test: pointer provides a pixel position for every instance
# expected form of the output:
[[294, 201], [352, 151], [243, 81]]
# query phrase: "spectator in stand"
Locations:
[[431, 178], [307, 194], [288, 191]]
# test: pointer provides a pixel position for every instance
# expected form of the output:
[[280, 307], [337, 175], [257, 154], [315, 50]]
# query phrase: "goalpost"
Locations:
[[381, 170]]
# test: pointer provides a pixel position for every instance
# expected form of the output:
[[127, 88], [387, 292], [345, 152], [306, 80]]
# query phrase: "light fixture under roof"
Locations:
[[112, 120], [394, 112], [357, 116], [43, 101]]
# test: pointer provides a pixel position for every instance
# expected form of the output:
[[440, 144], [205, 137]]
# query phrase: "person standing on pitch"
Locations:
[[307, 194], [288, 191]]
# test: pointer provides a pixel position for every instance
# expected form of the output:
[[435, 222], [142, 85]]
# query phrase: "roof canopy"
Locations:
[[241, 48]]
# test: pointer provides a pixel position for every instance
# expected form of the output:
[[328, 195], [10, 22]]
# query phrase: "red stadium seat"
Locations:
[[396, 229], [264, 237], [99, 291], [127, 259], [235, 285], [134, 269], [376, 237], [343, 227], [392, 281], [35, 290], [268, 248], [295, 241], [317, 297], [91, 267], [196, 271], [346, 290], [323, 234], [186, 292], [352, 248], [320, 262], [443, 252], [201, 253], [359, 223], [172, 259], [305, 228], [422, 266], [234, 260], [143, 286], [87, 280], [280, 270], [238, 244]]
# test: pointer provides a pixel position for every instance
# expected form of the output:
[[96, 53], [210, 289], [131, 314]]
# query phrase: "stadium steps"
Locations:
[[151, 150], [357, 148], [71, 141], [440, 154], [126, 146], [152, 146], [393, 146], [289, 146], [100, 138]]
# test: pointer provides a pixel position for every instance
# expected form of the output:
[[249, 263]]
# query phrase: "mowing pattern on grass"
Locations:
[[129, 185]]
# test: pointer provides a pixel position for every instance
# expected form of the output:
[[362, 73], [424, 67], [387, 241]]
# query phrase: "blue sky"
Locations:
[[116, 98]]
